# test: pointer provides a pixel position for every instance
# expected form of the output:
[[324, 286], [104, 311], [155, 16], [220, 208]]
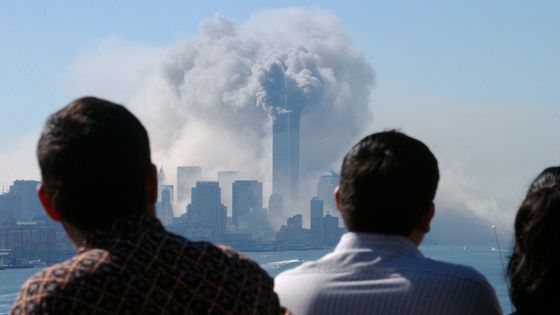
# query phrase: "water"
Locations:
[[10, 282], [481, 258]]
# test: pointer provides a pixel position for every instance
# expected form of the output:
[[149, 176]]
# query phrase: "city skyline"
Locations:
[[471, 80]]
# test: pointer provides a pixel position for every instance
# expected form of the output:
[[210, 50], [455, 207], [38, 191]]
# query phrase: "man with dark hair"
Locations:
[[98, 181], [385, 197]]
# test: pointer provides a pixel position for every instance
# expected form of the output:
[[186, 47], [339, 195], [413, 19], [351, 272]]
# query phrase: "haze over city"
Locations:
[[476, 82]]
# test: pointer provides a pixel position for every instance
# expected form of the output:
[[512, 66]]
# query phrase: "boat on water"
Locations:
[[26, 263]]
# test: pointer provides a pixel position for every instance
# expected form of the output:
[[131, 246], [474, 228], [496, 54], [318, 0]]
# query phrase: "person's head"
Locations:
[[95, 163], [533, 267], [387, 185]]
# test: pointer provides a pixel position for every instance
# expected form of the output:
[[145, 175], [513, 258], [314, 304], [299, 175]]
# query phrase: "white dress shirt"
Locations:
[[377, 274]]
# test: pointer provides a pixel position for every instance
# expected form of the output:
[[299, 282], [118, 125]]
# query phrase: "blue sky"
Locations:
[[499, 51], [477, 80]]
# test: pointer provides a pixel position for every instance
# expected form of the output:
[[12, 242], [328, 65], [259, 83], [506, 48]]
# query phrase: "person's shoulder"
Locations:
[[56, 281], [453, 271], [215, 256]]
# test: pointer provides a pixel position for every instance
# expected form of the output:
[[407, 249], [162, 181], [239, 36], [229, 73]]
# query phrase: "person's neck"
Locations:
[[78, 236], [416, 237]]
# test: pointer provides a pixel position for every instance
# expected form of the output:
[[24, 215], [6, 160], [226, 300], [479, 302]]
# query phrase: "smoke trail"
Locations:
[[211, 98]]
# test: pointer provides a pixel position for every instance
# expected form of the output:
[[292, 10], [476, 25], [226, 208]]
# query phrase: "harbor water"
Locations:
[[482, 258]]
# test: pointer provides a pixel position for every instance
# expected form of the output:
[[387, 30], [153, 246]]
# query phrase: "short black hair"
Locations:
[[387, 182], [94, 156]]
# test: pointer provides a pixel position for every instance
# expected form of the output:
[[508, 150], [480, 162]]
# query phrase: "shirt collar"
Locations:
[[378, 243], [122, 228]]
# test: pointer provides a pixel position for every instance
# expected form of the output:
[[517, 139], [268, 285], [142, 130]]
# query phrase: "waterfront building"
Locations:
[[247, 196], [316, 218], [20, 203], [206, 215], [332, 231], [293, 232], [29, 240], [256, 223]]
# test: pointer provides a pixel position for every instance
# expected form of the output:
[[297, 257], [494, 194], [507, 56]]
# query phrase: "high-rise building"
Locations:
[[187, 176], [162, 183], [331, 229], [162, 179], [295, 221], [21, 202], [325, 189], [247, 196], [7, 207], [316, 215], [29, 240], [276, 210], [164, 207], [170, 189], [206, 210], [226, 179], [285, 156]]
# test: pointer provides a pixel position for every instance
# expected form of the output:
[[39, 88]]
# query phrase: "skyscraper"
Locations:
[[226, 179], [316, 215], [206, 210], [164, 207], [21, 203], [164, 185], [285, 156], [316, 227], [247, 195], [187, 176]]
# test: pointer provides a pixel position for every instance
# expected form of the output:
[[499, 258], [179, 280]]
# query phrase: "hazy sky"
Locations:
[[477, 81]]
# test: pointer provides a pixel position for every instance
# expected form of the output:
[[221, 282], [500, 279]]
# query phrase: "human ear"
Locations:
[[427, 217], [336, 195], [47, 204], [151, 185]]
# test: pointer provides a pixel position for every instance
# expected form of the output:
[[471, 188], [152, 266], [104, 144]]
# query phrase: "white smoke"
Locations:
[[210, 99]]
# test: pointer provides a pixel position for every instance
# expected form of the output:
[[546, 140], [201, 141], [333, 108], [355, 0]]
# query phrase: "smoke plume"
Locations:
[[210, 100]]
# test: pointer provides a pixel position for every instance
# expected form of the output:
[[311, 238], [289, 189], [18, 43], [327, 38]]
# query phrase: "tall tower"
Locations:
[[285, 156]]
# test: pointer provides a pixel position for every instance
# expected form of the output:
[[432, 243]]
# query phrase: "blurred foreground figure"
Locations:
[[387, 185], [533, 267], [98, 181]]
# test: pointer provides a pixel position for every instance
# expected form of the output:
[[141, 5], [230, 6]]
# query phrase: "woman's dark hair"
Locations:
[[533, 267]]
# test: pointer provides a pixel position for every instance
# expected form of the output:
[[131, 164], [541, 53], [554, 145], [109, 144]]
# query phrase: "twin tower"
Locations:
[[285, 156]]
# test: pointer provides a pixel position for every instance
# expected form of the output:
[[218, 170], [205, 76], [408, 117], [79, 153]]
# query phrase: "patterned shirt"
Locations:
[[376, 274], [139, 268]]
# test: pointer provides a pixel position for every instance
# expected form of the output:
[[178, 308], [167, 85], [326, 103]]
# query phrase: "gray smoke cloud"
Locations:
[[209, 100]]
